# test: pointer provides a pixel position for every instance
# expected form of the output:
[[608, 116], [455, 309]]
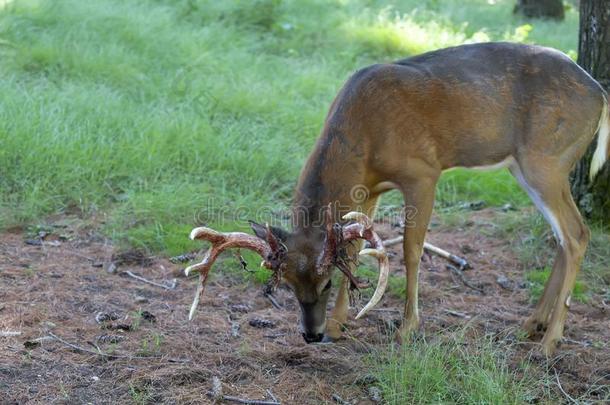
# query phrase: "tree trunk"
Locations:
[[594, 57], [540, 8]]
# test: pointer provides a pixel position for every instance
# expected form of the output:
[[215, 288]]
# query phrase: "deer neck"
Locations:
[[334, 174]]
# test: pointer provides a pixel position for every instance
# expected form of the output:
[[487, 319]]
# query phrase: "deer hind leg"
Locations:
[[553, 199], [338, 316], [419, 200]]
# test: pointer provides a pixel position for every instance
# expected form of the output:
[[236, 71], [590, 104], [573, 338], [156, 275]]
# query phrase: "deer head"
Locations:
[[302, 261]]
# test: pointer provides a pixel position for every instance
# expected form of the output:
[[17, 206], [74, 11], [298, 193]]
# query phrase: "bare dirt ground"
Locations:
[[55, 290]]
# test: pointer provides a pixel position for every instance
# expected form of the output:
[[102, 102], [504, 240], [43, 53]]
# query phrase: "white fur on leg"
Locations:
[[550, 217]]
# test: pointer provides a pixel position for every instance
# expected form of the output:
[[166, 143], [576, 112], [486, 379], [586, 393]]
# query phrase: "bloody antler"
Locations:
[[337, 237], [363, 229], [271, 250]]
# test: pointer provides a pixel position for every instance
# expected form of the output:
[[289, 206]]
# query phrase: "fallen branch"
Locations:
[[272, 396], [577, 342], [273, 301], [275, 335], [140, 278], [108, 355], [248, 401], [340, 400], [461, 262], [568, 397], [216, 394], [385, 310], [9, 333], [457, 314], [82, 256], [463, 279]]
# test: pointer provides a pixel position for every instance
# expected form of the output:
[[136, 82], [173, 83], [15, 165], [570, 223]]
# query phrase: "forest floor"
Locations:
[[53, 289]]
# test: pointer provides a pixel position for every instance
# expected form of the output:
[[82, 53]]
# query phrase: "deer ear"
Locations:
[[261, 231]]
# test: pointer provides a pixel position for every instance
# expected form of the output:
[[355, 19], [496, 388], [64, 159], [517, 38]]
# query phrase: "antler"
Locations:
[[332, 240], [363, 229], [337, 236], [271, 251]]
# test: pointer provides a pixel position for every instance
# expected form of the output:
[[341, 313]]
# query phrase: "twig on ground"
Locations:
[[30, 344], [96, 346], [244, 400], [385, 310], [275, 335], [393, 241], [77, 254], [140, 278], [577, 342], [273, 301], [271, 395], [463, 263], [82, 349], [340, 400], [111, 356], [568, 397], [463, 279], [216, 392], [249, 401], [457, 314], [9, 333], [235, 327]]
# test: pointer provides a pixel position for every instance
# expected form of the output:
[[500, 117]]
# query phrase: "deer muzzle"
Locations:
[[313, 320]]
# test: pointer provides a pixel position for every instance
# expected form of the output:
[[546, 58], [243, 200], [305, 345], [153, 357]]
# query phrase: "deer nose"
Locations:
[[313, 337]]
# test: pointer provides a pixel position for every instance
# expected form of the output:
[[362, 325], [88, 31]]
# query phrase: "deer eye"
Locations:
[[327, 286]]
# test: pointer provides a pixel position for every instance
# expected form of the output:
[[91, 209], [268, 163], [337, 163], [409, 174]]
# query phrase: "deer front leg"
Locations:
[[338, 316], [419, 199]]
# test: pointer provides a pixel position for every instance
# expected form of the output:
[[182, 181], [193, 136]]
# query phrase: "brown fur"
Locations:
[[474, 105]]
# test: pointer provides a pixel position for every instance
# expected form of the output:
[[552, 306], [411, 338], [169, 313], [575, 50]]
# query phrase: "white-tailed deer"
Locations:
[[399, 125]]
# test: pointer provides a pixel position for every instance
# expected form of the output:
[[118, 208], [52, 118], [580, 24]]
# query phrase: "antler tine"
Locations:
[[206, 233], [328, 217], [363, 229], [382, 283], [274, 244], [360, 218], [331, 241], [222, 241]]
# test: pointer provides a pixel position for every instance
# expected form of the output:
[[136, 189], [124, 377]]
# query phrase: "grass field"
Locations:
[[153, 116], [451, 371], [157, 115]]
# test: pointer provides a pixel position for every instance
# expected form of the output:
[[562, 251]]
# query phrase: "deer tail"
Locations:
[[602, 151]]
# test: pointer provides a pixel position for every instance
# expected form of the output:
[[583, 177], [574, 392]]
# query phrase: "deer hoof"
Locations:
[[407, 331], [328, 339], [548, 346]]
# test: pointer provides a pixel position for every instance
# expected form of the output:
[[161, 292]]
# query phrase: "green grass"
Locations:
[[158, 115], [449, 371], [140, 395], [538, 278], [532, 239], [397, 285]]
